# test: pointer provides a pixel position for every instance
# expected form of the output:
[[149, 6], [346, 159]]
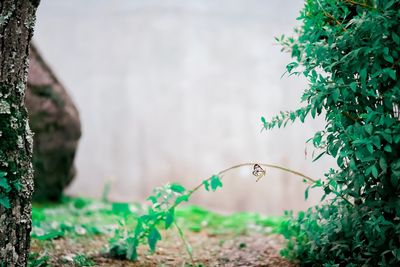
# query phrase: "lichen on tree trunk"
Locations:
[[17, 19]]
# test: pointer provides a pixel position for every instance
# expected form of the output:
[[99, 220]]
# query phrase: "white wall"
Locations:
[[173, 90]]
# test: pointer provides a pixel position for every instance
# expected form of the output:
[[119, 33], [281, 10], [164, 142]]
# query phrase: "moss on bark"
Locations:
[[16, 28]]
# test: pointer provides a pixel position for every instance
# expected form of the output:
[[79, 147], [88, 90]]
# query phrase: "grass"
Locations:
[[75, 217], [80, 218]]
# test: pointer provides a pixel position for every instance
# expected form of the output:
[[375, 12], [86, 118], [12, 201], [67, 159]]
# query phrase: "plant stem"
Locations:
[[268, 166], [359, 4], [329, 15], [185, 242], [309, 179]]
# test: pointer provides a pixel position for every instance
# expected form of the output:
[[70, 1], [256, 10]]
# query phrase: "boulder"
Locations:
[[54, 120]]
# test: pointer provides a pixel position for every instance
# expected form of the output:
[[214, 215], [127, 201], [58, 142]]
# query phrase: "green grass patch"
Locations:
[[196, 219], [76, 217]]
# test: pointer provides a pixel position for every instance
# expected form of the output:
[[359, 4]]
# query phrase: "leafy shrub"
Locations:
[[349, 52]]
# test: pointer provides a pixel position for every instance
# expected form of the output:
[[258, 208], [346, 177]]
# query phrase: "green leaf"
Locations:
[[388, 58], [4, 201], [390, 72], [363, 74], [169, 219], [318, 183], [395, 38], [319, 156], [17, 185], [139, 226], [370, 148], [383, 164], [317, 139], [177, 188], [353, 86], [153, 199], [374, 171], [388, 148], [4, 184], [369, 128], [395, 165], [153, 238], [335, 95], [394, 179], [263, 120], [215, 182], [181, 199], [120, 207], [306, 193], [131, 251], [206, 185], [327, 190]]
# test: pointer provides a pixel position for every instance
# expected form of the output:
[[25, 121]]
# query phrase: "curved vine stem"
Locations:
[[309, 179]]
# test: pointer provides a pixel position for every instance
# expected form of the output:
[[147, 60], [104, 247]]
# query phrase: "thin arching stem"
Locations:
[[307, 178], [266, 165]]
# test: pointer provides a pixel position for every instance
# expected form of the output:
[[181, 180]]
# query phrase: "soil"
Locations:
[[252, 249]]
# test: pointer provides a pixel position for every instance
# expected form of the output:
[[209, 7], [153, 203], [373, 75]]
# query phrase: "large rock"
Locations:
[[55, 122]]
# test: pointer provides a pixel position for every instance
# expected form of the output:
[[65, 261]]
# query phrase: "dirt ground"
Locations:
[[253, 249]]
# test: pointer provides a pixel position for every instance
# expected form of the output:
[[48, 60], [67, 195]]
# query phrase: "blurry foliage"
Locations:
[[349, 52], [72, 218], [37, 260], [82, 260], [196, 219]]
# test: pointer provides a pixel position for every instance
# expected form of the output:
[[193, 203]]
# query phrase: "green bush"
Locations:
[[349, 52]]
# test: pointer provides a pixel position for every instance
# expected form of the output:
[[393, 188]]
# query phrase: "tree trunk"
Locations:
[[17, 19]]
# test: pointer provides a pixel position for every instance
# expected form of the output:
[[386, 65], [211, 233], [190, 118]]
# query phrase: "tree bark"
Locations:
[[17, 19]]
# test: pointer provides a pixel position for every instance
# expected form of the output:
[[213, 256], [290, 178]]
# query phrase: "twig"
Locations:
[[359, 4], [329, 15]]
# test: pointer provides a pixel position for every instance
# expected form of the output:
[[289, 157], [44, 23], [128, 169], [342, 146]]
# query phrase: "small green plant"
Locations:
[[73, 218], [350, 53], [82, 260], [161, 214], [37, 260], [5, 188]]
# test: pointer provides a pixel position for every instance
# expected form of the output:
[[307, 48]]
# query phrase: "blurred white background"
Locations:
[[173, 90]]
